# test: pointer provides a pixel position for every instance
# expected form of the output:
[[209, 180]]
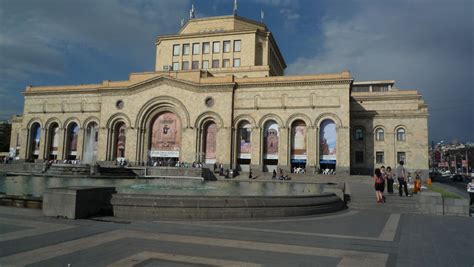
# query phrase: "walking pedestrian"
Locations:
[[389, 176], [378, 186], [470, 189], [402, 179], [274, 175], [382, 170]]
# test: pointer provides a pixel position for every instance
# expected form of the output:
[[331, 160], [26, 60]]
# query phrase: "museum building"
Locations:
[[218, 94]]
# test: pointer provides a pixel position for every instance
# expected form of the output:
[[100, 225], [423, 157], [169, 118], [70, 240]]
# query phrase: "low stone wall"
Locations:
[[147, 207], [69, 170], [177, 172], [434, 203], [77, 202], [23, 167]]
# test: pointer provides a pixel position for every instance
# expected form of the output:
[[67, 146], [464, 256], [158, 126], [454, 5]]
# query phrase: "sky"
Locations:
[[425, 45]]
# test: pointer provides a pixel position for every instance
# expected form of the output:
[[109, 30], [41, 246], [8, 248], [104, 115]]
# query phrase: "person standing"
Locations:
[[402, 179], [378, 186], [470, 189], [389, 176]]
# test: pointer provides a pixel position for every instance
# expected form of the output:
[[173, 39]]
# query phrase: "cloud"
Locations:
[[421, 48], [51, 38]]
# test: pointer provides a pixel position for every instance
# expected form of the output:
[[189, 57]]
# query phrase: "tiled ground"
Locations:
[[348, 238]]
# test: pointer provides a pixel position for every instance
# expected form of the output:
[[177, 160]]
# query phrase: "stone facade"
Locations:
[[223, 113]]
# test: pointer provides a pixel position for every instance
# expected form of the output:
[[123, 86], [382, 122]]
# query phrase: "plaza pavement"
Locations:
[[366, 234]]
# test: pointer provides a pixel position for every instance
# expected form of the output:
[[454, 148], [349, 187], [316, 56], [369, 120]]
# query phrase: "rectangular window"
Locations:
[[206, 48], [195, 65], [205, 64], [401, 156], [379, 157], [185, 49], [216, 47], [196, 49], [359, 157], [215, 63], [185, 65], [359, 134], [175, 50], [237, 46], [175, 65], [226, 46], [236, 62], [360, 89], [226, 63]]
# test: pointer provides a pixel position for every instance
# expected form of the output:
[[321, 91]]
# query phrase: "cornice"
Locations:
[[290, 83]]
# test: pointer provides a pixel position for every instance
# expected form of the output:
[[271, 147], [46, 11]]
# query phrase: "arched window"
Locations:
[[401, 135], [120, 140], [72, 138], [91, 140], [53, 140], [165, 139], [379, 134], [359, 134], [210, 142], [244, 144], [35, 137]]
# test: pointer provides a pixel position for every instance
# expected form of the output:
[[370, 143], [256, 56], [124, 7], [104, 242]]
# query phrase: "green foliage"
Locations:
[[443, 192]]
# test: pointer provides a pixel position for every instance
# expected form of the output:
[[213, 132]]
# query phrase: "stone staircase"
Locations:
[[363, 198]]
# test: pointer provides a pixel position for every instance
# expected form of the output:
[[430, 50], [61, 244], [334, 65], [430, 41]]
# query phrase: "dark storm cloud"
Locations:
[[424, 45]]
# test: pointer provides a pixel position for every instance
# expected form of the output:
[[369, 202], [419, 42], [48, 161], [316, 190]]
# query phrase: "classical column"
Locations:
[[256, 152], [25, 145], [311, 148], [80, 144], [284, 148], [61, 144]]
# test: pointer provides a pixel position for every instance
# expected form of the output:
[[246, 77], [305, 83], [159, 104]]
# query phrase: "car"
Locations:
[[459, 177]]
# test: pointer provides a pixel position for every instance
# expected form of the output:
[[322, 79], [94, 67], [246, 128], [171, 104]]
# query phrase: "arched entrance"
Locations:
[[53, 141], [91, 142], [270, 146], [35, 137], [298, 144], [209, 146], [327, 145], [72, 134], [120, 141], [165, 138], [244, 145]]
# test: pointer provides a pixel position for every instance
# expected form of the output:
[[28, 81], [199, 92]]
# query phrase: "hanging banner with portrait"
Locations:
[[73, 135], [165, 141], [270, 141], [327, 142], [121, 140], [211, 141], [298, 144], [244, 133]]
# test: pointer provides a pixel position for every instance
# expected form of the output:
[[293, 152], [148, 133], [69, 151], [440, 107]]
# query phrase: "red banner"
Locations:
[[453, 163], [464, 163]]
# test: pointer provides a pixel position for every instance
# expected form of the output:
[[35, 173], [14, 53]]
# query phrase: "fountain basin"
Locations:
[[149, 207]]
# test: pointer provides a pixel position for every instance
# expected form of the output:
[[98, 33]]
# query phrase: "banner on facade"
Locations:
[[244, 137], [165, 140], [164, 154], [270, 141], [327, 141], [211, 143], [298, 146]]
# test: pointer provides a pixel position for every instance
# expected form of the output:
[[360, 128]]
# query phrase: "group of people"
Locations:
[[384, 177], [280, 175]]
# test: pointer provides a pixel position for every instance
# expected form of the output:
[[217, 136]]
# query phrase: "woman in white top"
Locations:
[[470, 189]]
